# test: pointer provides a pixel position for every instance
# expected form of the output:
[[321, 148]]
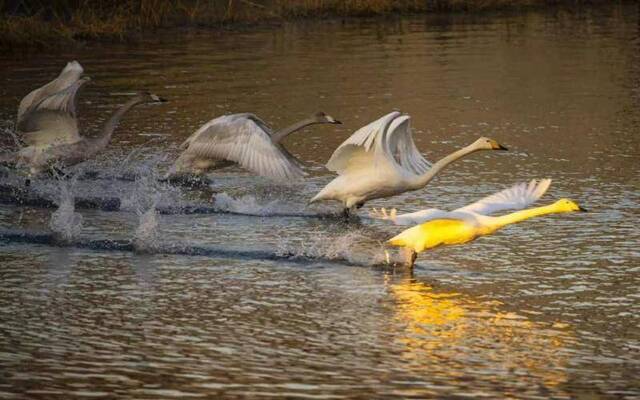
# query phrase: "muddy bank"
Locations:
[[39, 24]]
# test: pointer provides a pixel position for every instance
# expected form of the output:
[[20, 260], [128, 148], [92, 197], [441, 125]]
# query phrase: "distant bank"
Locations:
[[46, 23]]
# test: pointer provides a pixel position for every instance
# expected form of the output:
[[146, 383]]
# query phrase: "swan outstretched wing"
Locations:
[[53, 120], [401, 146], [246, 140], [385, 141], [516, 197], [413, 218], [361, 146], [65, 102], [47, 116]]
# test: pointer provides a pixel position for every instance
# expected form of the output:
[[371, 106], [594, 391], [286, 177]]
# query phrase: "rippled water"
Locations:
[[547, 308]]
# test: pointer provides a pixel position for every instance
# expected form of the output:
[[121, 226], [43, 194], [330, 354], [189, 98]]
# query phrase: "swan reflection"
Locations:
[[453, 334]]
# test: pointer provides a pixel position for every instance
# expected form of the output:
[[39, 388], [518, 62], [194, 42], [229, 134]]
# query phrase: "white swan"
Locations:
[[62, 154], [462, 227], [381, 160], [244, 139], [48, 126], [515, 197]]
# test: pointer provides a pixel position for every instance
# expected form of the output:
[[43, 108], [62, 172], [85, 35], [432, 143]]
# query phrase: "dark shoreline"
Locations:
[[52, 28]]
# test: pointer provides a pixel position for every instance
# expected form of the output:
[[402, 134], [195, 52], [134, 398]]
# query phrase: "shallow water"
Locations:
[[547, 308]]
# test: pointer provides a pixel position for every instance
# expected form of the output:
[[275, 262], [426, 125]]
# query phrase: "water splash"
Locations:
[[8, 139], [252, 205], [146, 239], [246, 204], [65, 223], [148, 190], [354, 247]]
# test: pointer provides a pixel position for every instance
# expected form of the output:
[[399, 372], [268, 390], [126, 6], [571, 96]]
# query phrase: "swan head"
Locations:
[[566, 205], [485, 143], [324, 118]]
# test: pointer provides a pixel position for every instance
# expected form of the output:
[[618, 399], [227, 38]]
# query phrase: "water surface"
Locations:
[[547, 308]]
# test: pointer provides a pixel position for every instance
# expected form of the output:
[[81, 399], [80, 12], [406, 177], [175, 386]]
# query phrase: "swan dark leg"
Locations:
[[409, 257], [346, 213], [56, 172]]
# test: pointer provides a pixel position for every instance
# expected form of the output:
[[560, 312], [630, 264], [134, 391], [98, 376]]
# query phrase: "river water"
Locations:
[[546, 308]]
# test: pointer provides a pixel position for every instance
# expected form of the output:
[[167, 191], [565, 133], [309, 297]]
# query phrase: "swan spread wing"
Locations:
[[48, 114], [386, 141], [37, 98], [413, 218], [516, 197], [401, 146], [359, 146], [242, 138]]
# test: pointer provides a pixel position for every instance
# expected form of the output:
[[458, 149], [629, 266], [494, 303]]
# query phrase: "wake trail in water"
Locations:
[[252, 206], [171, 203], [333, 257], [353, 247]]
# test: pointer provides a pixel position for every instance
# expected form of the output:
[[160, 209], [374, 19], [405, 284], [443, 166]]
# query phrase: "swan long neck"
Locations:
[[499, 222], [422, 180], [284, 132], [104, 137]]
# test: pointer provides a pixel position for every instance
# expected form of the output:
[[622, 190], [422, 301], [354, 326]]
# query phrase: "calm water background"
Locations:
[[547, 308]]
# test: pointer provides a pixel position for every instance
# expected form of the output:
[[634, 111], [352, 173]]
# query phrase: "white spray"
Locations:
[[65, 223]]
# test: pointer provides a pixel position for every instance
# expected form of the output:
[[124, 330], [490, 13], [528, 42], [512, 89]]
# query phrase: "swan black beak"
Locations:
[[158, 99], [501, 147], [582, 209], [335, 121]]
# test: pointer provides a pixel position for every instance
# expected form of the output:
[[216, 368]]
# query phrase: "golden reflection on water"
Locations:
[[437, 323]]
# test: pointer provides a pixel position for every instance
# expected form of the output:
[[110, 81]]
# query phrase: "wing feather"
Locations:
[[37, 98], [387, 141], [47, 116], [516, 197], [241, 139], [402, 147], [413, 218], [362, 140]]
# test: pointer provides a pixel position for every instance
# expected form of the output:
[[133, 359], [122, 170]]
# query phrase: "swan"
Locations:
[[516, 197], [244, 139], [463, 227], [381, 160], [62, 145], [48, 126]]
